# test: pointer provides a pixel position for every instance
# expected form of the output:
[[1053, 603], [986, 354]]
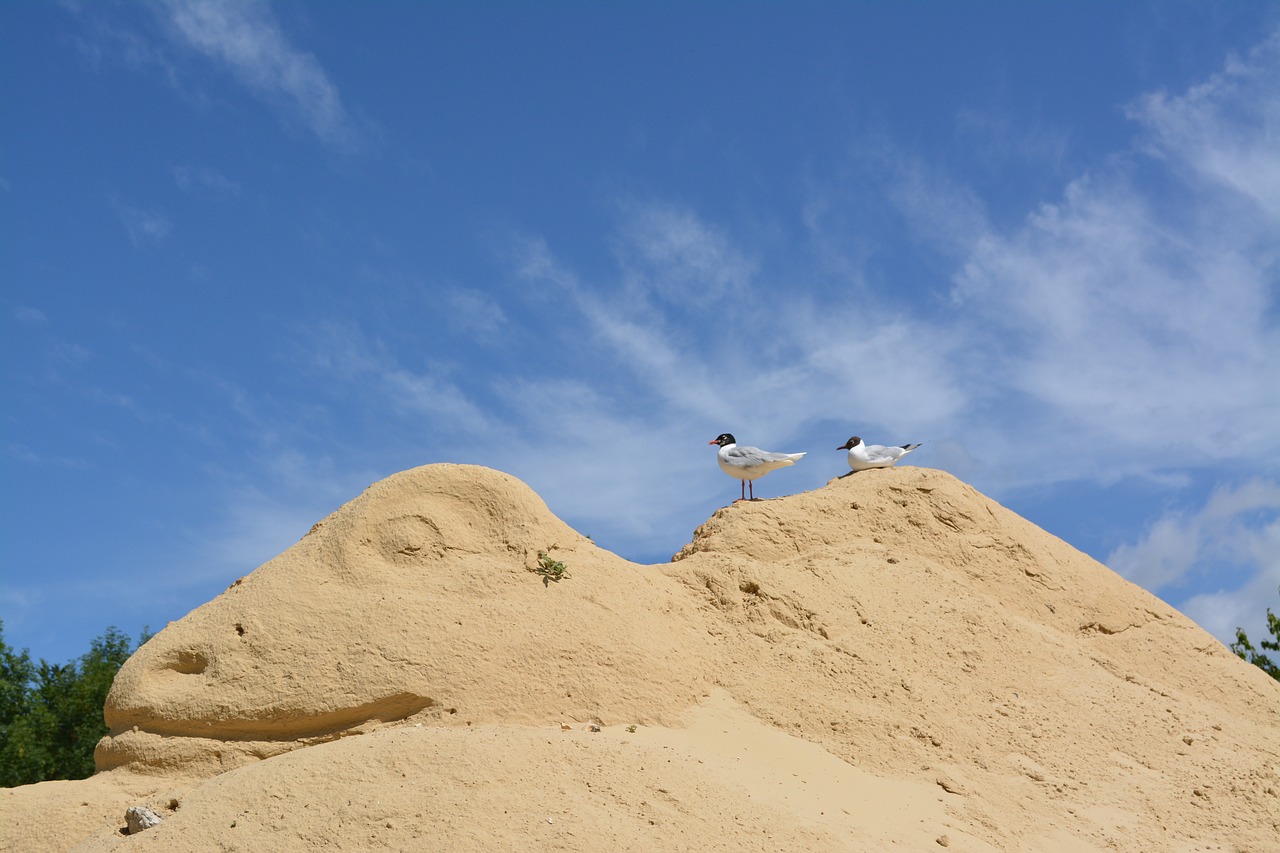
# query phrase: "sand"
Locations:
[[893, 661]]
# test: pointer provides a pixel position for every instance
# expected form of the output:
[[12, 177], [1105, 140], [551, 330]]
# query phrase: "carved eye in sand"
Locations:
[[409, 539]]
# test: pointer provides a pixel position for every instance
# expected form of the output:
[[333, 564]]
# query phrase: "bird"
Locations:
[[862, 456], [748, 463]]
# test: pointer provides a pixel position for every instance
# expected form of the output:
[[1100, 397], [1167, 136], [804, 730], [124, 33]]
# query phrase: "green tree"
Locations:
[[1246, 651], [19, 759], [51, 714]]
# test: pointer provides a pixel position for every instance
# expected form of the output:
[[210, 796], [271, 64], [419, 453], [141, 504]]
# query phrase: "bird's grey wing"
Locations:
[[880, 453], [747, 457]]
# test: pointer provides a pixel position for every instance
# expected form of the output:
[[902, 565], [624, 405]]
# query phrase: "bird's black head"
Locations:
[[723, 439], [851, 443]]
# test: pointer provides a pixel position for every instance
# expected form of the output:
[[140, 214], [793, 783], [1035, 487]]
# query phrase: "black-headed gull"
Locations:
[[862, 456], [747, 463]]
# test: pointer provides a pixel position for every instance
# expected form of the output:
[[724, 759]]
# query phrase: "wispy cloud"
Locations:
[[1223, 611], [1121, 326], [343, 355], [944, 214], [29, 316], [204, 178], [1231, 545], [1236, 522], [1223, 130], [432, 396], [245, 37], [145, 227], [104, 40], [28, 455], [670, 252], [476, 311], [1043, 148], [1136, 313]]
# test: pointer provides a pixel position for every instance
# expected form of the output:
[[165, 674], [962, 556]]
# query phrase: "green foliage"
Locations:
[[1246, 651], [549, 569], [51, 714]]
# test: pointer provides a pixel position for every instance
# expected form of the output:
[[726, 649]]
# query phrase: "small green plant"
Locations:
[[549, 569], [631, 729]]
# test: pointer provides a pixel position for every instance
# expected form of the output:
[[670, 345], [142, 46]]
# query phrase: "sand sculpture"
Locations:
[[893, 659]]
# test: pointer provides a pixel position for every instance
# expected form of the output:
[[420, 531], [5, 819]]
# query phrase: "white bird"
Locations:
[[862, 456], [748, 463]]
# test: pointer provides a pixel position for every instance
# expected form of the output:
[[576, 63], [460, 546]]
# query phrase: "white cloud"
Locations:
[[29, 316], [246, 38], [894, 371], [673, 373], [475, 311], [64, 353], [1136, 315], [25, 454], [432, 396], [202, 177], [630, 336], [1231, 546], [1226, 608], [103, 38], [1121, 327], [143, 226], [1223, 130], [1041, 147], [946, 214], [1228, 526], [355, 363], [339, 349], [750, 361], [671, 252], [1221, 613]]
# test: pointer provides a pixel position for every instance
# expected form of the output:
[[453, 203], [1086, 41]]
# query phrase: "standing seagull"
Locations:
[[862, 457], [747, 463]]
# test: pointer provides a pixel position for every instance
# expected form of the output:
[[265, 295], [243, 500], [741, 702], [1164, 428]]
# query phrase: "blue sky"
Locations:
[[259, 255]]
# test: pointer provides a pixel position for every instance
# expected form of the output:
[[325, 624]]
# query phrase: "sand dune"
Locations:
[[893, 661]]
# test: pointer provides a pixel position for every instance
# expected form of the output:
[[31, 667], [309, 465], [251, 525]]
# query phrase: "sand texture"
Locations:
[[891, 662]]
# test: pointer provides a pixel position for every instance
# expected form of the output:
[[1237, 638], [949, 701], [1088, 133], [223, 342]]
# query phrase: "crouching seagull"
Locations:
[[862, 456]]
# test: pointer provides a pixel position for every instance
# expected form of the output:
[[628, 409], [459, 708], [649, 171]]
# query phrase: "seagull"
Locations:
[[862, 457], [747, 463]]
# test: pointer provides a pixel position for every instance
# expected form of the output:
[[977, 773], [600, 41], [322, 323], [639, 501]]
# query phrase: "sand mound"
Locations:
[[893, 659]]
